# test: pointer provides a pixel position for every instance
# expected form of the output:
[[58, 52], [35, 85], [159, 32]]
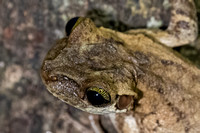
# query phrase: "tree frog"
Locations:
[[134, 76]]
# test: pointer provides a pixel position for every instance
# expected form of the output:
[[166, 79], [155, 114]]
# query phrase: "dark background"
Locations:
[[28, 28]]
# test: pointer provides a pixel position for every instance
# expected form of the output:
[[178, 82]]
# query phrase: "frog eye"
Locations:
[[97, 96], [70, 25]]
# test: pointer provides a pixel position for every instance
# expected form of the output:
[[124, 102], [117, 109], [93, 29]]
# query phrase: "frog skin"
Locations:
[[143, 85]]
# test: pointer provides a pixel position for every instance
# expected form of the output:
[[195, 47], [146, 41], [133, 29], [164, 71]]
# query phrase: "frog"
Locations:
[[134, 77]]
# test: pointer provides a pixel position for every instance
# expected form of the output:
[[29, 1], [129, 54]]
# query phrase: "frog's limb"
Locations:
[[182, 27], [94, 121], [125, 122]]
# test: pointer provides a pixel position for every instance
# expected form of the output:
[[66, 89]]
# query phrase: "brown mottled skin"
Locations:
[[157, 88]]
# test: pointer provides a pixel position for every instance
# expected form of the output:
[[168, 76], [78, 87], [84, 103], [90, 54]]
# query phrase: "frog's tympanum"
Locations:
[[102, 71]]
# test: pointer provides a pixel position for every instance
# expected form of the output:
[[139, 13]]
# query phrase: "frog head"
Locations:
[[91, 69]]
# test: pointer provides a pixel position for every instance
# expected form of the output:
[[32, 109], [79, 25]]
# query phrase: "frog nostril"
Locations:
[[54, 78], [70, 24], [46, 78]]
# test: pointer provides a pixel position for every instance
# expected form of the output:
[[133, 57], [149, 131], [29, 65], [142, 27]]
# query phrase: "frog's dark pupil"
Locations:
[[95, 98], [70, 25]]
